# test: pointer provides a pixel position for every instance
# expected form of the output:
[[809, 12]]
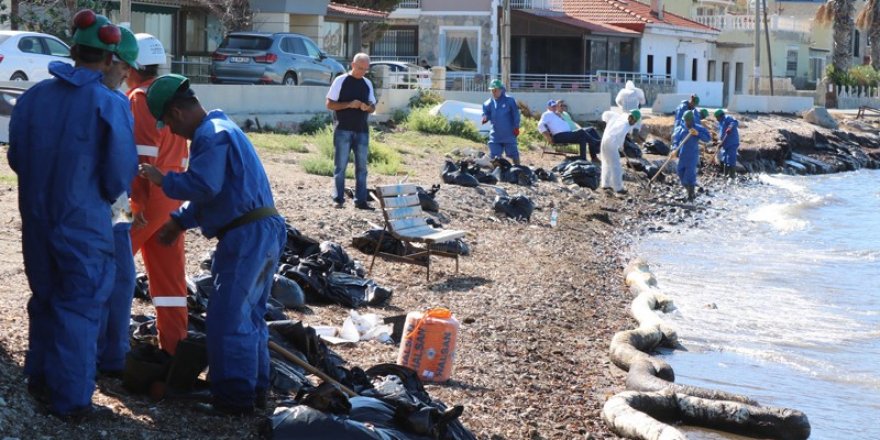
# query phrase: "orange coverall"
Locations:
[[164, 264]]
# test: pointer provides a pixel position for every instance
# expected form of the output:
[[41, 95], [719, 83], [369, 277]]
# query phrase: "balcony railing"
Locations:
[[616, 76], [551, 5], [747, 23], [410, 4], [474, 82]]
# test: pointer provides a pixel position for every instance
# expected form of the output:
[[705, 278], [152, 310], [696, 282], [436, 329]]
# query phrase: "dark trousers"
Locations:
[[580, 137]]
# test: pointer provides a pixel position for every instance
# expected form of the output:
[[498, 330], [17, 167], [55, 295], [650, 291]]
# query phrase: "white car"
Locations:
[[25, 56], [8, 97], [404, 75]]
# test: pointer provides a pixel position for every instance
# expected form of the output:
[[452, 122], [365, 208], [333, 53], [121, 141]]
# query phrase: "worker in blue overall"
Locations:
[[689, 104], [686, 138], [72, 146], [728, 129], [501, 110], [229, 198]]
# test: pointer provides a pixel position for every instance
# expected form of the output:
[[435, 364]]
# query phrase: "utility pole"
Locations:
[[125, 11], [757, 72], [769, 55], [505, 44]]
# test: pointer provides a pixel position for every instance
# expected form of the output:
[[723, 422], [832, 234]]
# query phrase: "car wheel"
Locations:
[[18, 76], [289, 79]]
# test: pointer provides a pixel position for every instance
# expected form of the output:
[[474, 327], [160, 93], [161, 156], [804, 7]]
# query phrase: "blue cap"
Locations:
[[551, 103]]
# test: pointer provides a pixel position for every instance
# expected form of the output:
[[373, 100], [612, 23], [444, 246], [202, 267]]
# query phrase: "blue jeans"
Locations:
[[344, 142]]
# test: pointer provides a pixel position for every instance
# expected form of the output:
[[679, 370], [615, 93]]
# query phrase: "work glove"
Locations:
[[485, 119], [693, 132], [728, 131], [516, 131]]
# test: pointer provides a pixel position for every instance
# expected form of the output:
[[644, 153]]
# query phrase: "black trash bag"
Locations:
[[502, 163], [305, 423], [657, 147], [304, 343], [465, 179], [652, 170], [367, 241], [521, 175], [560, 168], [207, 261], [449, 172], [486, 178], [189, 360], [582, 173], [143, 331], [275, 310], [457, 246], [141, 287], [631, 150], [428, 198], [144, 364], [637, 165], [342, 262], [285, 377], [352, 291], [287, 292], [329, 398], [199, 291], [298, 246], [544, 175], [518, 207]]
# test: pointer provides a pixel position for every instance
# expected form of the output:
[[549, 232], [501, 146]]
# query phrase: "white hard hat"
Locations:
[[150, 50]]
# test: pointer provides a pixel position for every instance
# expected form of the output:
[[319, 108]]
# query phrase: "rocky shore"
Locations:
[[539, 305]]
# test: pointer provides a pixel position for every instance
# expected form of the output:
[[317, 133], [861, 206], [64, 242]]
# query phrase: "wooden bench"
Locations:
[[863, 111], [550, 147], [405, 221]]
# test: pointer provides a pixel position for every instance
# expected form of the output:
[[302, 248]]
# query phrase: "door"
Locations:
[[725, 79], [323, 73], [738, 79], [679, 67]]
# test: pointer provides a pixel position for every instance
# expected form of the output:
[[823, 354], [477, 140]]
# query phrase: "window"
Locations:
[[246, 42], [313, 50], [694, 69], [598, 55], [158, 24], [196, 32], [738, 79], [791, 62], [855, 42], [30, 45], [56, 47], [650, 63], [460, 49], [669, 66], [710, 71], [294, 46], [333, 38], [817, 68], [396, 43]]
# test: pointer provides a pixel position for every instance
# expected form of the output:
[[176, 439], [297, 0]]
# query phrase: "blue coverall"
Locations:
[[689, 154], [72, 146], [731, 140], [504, 116], [681, 110], [226, 180]]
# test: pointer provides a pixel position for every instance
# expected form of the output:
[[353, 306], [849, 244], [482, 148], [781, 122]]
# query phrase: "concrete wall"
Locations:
[[769, 104], [663, 46], [307, 25], [667, 102], [710, 93], [271, 22]]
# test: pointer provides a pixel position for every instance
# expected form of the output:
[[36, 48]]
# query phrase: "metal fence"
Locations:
[[636, 77], [474, 82], [196, 68], [552, 5]]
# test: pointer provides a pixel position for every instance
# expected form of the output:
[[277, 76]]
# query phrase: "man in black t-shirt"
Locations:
[[351, 97]]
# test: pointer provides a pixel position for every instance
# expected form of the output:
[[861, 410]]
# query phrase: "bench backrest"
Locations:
[[401, 208]]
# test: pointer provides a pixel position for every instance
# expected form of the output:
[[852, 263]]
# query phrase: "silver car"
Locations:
[[279, 58]]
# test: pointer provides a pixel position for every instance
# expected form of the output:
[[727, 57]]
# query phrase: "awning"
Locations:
[[567, 20]]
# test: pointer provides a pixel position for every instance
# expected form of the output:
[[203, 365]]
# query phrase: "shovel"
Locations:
[[671, 155]]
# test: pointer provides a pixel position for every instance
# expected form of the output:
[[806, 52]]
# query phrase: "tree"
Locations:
[[869, 21], [840, 14], [52, 17], [234, 15]]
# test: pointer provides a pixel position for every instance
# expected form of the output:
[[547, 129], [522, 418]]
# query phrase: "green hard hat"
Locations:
[[719, 113], [688, 115], [127, 50], [696, 99], [704, 113], [636, 114], [163, 90], [94, 30], [496, 84]]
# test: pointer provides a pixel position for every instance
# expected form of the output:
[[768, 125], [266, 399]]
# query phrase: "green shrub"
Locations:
[[322, 166], [382, 158], [864, 76], [323, 139], [399, 116], [528, 133], [315, 123], [425, 98], [466, 130]]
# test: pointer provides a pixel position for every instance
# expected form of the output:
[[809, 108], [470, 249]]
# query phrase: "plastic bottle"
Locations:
[[428, 344], [554, 217]]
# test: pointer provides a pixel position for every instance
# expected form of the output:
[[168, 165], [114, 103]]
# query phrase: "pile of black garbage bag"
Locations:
[[580, 172], [367, 241], [517, 207], [468, 172]]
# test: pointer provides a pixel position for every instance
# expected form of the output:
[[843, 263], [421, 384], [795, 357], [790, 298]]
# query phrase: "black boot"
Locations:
[[691, 193]]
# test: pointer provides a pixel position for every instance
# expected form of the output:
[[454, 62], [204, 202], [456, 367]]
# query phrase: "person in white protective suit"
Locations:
[[630, 98], [612, 140]]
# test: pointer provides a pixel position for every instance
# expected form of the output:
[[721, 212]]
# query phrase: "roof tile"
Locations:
[[630, 14]]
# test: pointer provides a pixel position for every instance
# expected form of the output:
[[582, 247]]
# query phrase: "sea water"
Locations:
[[778, 298]]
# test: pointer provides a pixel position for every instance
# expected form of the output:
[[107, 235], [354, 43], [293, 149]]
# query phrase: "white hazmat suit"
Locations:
[[612, 140], [630, 97]]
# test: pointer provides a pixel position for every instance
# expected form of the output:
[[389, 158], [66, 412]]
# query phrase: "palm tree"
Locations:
[[840, 13], [869, 20]]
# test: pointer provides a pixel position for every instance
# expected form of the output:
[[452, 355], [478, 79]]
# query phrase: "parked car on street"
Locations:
[[25, 56], [404, 75], [279, 58]]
